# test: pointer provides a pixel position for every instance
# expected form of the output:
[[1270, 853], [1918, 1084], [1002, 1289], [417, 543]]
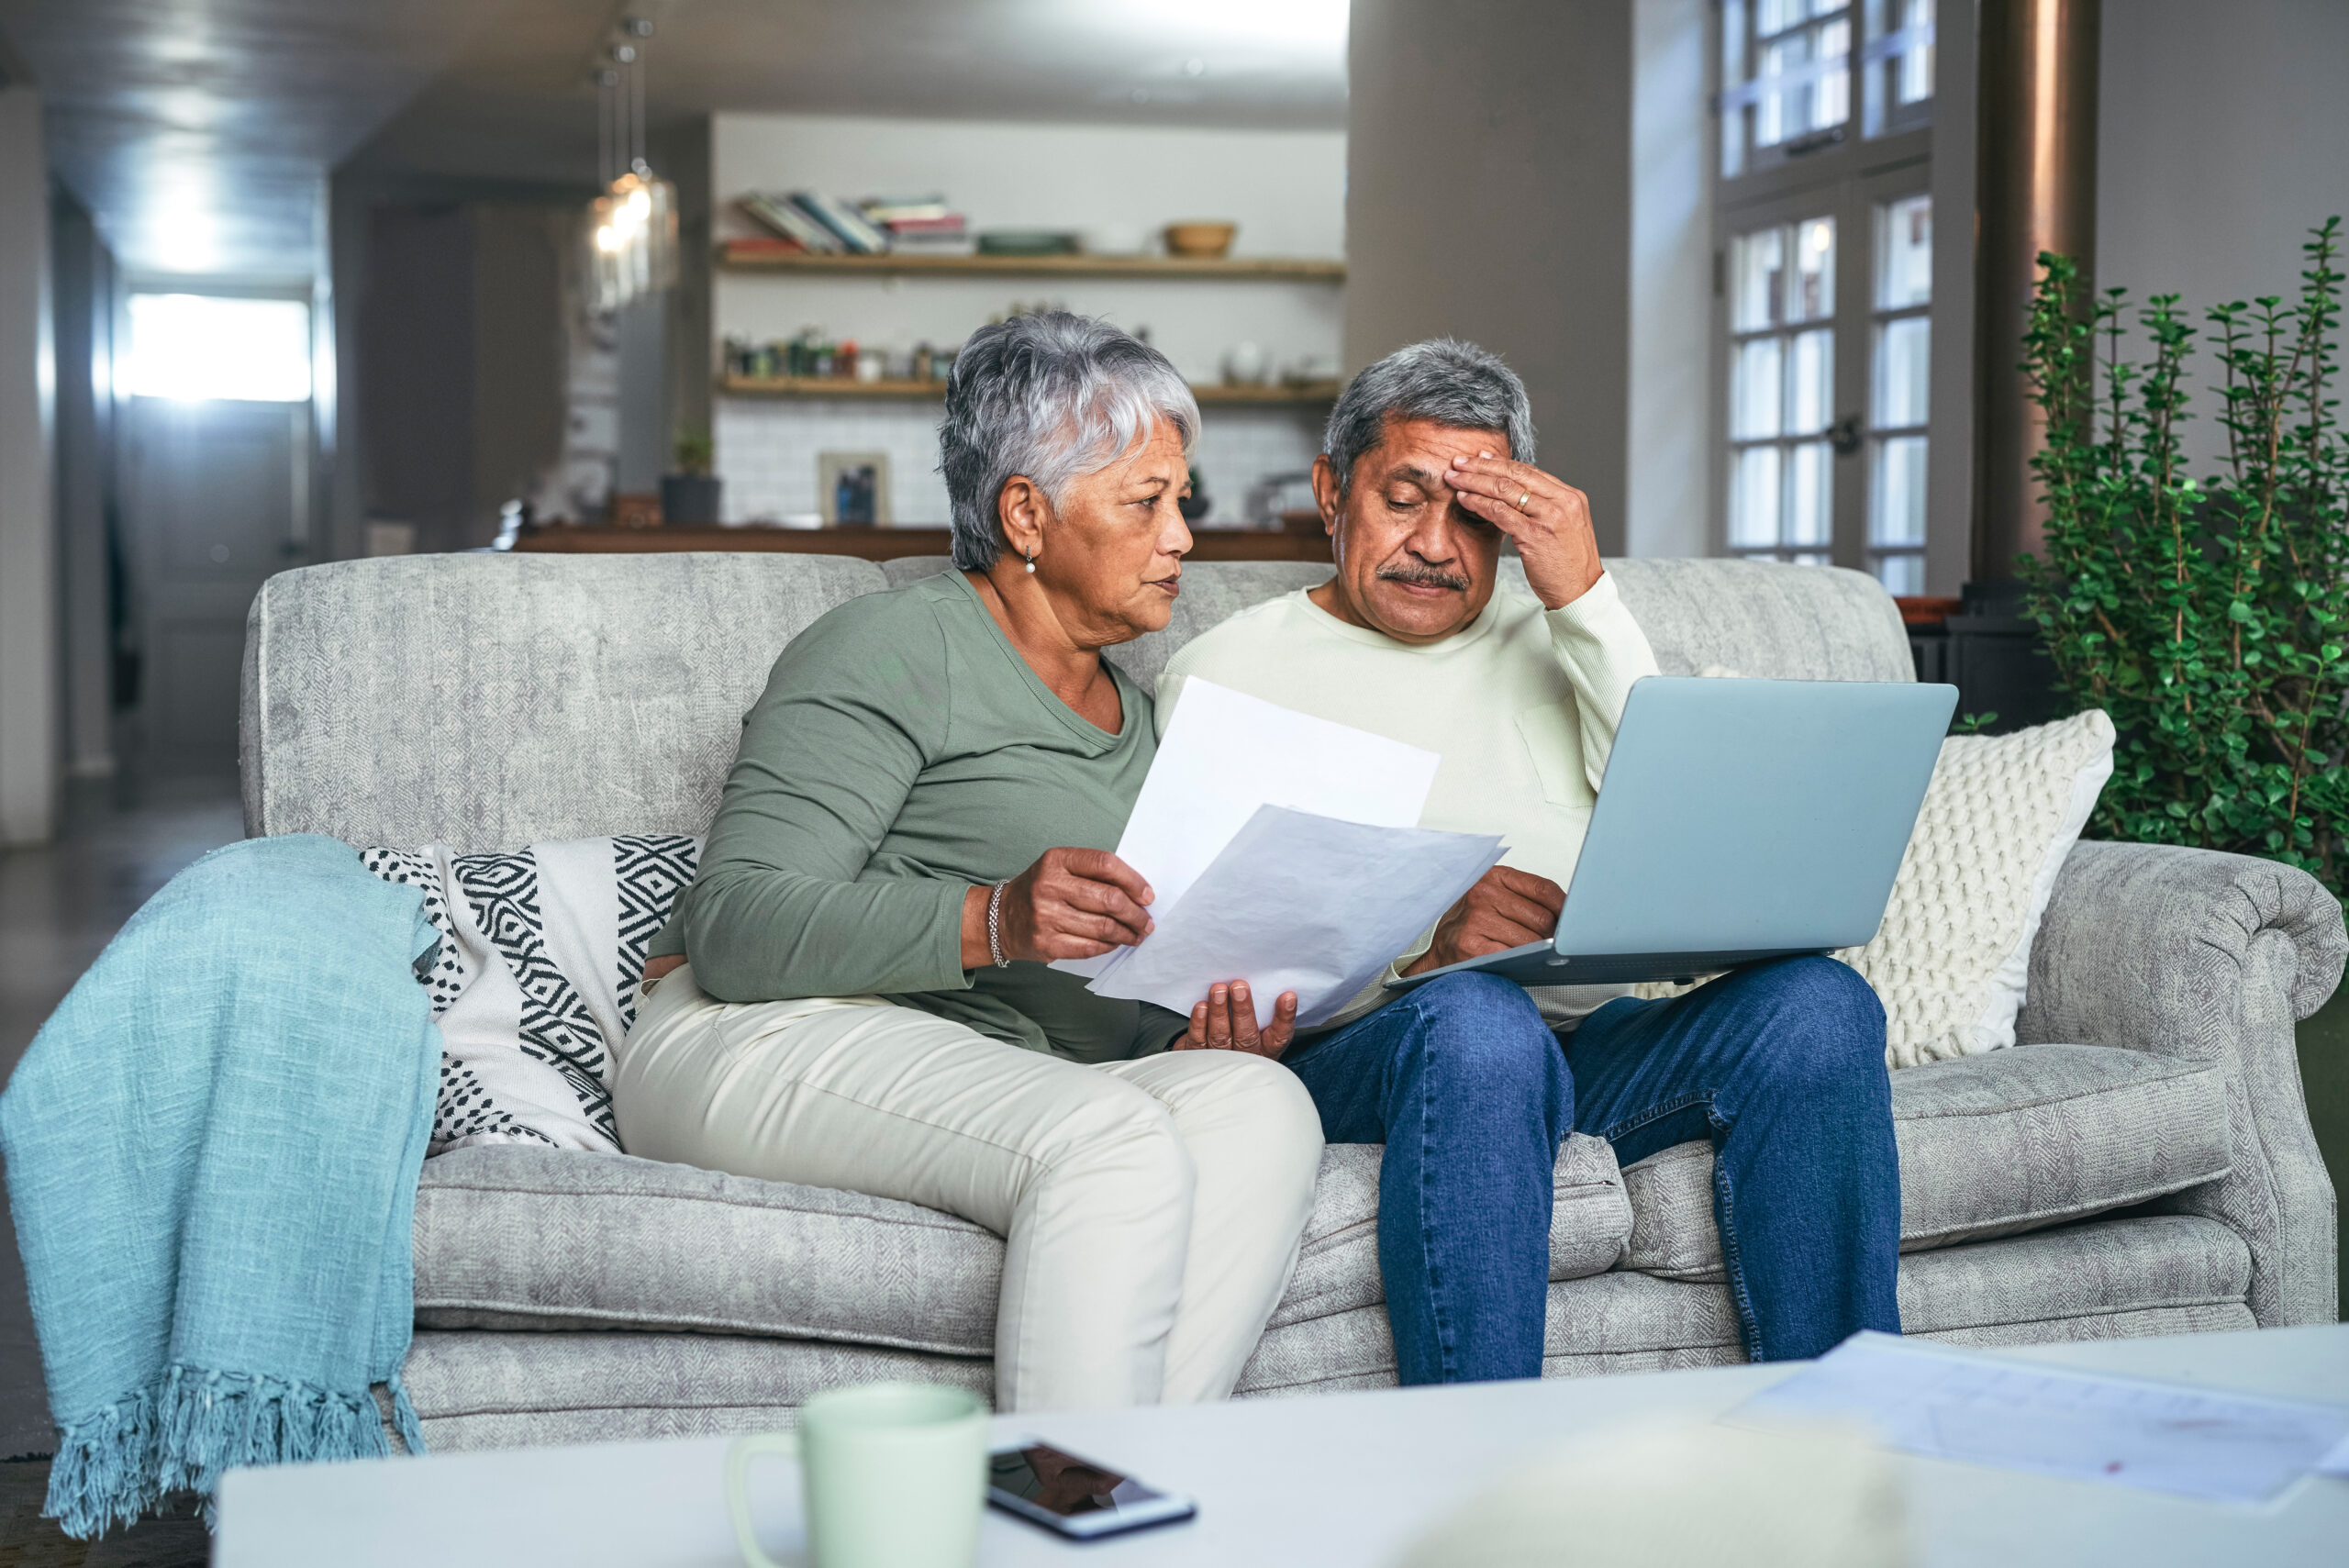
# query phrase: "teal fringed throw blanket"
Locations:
[[213, 1149]]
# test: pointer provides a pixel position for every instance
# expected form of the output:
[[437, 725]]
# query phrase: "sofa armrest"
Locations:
[[2214, 957]]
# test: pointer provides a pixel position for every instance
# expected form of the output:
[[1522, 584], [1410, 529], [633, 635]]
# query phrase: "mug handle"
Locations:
[[739, 1455]]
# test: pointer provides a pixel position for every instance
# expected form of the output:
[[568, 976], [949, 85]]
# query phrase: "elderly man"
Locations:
[[1428, 468]]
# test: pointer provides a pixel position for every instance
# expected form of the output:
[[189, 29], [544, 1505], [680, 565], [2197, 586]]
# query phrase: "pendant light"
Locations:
[[632, 227]]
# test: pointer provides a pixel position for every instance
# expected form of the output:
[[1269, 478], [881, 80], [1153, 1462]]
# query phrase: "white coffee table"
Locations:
[[1343, 1479]]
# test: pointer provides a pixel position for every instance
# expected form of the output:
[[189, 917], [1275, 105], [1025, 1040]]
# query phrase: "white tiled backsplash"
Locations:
[[767, 453]]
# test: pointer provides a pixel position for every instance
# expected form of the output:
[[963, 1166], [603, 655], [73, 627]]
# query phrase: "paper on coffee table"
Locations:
[[1300, 902], [1226, 754], [2079, 1425]]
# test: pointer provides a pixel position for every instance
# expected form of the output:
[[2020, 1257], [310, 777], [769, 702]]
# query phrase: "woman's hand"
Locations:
[[1070, 904], [1227, 1021], [1551, 526]]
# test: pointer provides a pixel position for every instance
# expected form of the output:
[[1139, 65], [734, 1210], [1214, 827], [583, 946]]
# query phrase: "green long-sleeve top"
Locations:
[[904, 751]]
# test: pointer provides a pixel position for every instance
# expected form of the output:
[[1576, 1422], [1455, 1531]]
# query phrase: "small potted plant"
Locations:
[[691, 494]]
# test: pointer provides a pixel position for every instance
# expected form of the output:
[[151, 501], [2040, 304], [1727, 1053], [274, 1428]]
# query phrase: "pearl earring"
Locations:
[[1031, 564]]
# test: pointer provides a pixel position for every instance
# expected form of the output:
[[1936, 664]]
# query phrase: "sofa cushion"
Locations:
[[1990, 1145], [1336, 1269], [523, 1237]]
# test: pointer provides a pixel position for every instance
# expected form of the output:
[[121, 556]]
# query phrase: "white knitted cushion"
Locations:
[[1953, 952]]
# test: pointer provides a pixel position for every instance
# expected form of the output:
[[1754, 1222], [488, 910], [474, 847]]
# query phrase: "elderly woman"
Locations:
[[919, 820]]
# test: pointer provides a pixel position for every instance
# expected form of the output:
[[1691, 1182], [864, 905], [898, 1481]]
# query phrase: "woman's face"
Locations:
[[1113, 549]]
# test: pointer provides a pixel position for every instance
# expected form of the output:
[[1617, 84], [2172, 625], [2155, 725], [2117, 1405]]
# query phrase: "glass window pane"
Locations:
[[1776, 16], [1753, 389], [1916, 73], [1901, 573], [1810, 493], [1770, 126], [1832, 92], [1756, 261], [203, 346], [1902, 354], [1753, 497], [1904, 254], [1732, 76], [1810, 382], [1812, 296], [1896, 509]]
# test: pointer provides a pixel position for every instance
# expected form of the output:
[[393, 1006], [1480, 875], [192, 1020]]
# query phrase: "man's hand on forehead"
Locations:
[[1549, 518]]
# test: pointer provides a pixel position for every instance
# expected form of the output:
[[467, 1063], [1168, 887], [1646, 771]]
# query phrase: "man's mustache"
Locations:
[[1424, 577]]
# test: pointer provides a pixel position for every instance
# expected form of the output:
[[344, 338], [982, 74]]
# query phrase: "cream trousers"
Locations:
[[1150, 1209]]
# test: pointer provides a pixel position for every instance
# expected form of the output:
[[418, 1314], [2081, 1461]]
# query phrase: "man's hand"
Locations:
[[1549, 518], [1227, 1021], [1506, 909]]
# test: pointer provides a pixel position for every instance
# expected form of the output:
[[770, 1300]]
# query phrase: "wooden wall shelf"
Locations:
[[1308, 394], [875, 544], [1260, 269]]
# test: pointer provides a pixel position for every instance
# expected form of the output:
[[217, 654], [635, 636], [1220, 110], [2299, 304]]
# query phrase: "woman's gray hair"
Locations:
[[1047, 397], [1445, 379]]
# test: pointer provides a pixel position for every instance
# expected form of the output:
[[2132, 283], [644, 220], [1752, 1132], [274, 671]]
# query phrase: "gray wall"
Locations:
[[1668, 454], [86, 305], [1488, 196], [28, 607], [2222, 134], [447, 322]]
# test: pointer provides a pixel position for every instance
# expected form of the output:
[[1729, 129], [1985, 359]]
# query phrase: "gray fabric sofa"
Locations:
[[2142, 1164]]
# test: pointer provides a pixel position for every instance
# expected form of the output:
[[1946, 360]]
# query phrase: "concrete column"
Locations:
[[1488, 196], [28, 587], [2035, 173]]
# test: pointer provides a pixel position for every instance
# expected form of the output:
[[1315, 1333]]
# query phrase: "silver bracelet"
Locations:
[[995, 925]]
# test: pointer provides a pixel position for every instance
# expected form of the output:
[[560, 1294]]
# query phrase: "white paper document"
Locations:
[[1945, 1404], [1225, 754], [1300, 902]]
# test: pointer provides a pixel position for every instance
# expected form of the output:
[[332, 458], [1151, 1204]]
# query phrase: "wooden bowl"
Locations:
[[1200, 239]]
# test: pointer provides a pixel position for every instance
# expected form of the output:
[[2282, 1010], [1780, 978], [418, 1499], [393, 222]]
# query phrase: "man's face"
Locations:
[[1412, 562]]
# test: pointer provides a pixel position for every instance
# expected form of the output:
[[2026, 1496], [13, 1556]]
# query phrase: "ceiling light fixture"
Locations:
[[632, 227]]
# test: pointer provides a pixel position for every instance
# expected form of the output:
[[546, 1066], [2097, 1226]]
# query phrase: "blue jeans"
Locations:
[[1780, 1066]]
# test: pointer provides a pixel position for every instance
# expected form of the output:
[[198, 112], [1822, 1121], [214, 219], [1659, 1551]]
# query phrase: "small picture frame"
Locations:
[[853, 489]]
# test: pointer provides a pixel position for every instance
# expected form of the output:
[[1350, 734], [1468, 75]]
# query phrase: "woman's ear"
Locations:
[[1022, 511]]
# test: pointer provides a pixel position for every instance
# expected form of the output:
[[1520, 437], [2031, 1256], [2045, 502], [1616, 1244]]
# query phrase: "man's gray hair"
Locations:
[[1047, 396], [1443, 380]]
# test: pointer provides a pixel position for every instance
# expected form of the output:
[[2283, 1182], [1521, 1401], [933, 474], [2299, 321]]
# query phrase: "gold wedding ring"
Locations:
[[1521, 501]]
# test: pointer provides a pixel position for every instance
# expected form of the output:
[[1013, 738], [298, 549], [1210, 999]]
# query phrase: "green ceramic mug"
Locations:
[[894, 1475]]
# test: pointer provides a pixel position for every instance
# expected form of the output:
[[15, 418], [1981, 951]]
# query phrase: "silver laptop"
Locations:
[[1739, 821]]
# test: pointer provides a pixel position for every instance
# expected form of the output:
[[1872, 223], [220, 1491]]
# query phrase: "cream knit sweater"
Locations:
[[1521, 706]]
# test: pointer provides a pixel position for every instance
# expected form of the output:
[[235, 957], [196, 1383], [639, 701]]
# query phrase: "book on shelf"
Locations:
[[951, 243], [765, 245], [889, 210], [946, 223], [785, 220], [855, 232]]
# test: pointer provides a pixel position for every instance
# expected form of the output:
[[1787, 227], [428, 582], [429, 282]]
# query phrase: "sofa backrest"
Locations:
[[1758, 618], [490, 701]]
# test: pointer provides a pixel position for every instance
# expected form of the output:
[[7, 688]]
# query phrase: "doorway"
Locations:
[[217, 497]]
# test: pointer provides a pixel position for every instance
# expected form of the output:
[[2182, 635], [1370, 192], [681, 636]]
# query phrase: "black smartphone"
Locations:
[[1077, 1497]]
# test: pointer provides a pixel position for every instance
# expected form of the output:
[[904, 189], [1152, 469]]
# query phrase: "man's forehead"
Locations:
[[1428, 448]]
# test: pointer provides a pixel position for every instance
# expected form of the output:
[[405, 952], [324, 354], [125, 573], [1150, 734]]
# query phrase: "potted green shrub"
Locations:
[[691, 495], [2205, 613]]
